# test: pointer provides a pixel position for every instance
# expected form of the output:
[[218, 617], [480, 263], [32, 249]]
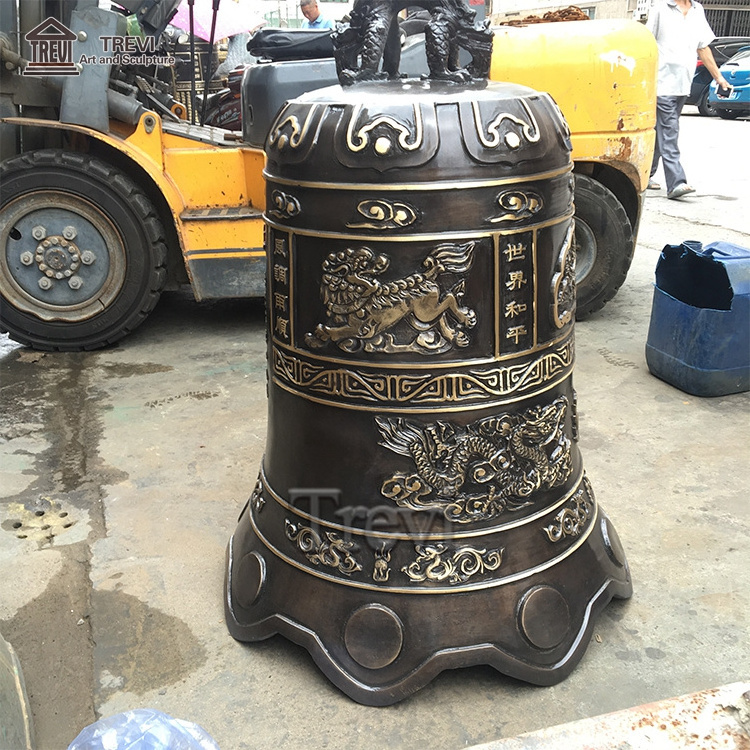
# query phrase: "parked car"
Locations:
[[736, 71], [723, 48]]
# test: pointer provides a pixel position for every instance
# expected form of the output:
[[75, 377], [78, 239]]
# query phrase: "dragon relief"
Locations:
[[477, 472], [409, 314]]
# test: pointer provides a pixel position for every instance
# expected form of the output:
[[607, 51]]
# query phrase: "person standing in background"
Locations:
[[314, 19], [680, 29]]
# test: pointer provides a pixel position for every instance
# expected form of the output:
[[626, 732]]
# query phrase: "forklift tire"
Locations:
[[604, 245], [82, 253]]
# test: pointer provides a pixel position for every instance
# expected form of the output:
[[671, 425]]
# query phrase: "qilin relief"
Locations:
[[439, 562], [571, 520], [364, 312], [477, 472], [333, 551]]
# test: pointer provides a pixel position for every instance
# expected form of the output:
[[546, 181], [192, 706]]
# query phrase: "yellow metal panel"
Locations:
[[255, 163], [602, 74], [236, 235], [208, 177]]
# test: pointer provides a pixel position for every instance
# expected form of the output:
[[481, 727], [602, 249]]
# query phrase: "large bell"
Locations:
[[422, 503]]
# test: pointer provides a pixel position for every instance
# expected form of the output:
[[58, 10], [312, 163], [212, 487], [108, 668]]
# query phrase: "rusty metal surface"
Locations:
[[717, 719]]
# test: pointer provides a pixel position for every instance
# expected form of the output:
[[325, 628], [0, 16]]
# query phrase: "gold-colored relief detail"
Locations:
[[381, 571], [516, 332], [571, 520], [478, 471], [280, 301], [514, 308], [516, 280], [280, 247], [490, 136], [564, 282], [409, 314], [405, 138], [333, 551], [515, 251], [385, 214], [284, 206], [422, 388], [518, 204], [289, 132], [257, 500], [281, 274], [439, 562], [281, 328]]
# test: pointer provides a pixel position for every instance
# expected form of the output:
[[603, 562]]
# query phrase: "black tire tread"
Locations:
[[595, 299], [149, 219]]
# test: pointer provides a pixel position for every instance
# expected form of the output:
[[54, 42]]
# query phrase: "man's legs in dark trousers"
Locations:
[[668, 110]]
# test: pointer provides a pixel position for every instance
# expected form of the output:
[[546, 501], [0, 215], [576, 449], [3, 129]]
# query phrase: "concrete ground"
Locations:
[[122, 473]]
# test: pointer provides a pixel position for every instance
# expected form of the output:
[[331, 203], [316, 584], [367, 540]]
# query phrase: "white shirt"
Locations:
[[678, 38]]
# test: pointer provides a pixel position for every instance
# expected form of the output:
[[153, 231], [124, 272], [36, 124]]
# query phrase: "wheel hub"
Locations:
[[63, 260], [584, 246], [58, 258]]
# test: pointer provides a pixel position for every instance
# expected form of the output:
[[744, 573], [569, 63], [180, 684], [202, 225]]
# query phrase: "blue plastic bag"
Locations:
[[143, 729]]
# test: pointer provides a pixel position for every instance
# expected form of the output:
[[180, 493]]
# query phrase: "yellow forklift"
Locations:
[[108, 195]]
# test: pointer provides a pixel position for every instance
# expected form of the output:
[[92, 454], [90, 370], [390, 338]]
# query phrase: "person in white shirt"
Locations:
[[680, 29]]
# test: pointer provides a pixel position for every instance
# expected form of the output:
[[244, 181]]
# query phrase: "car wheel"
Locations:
[[705, 107], [728, 114], [603, 242], [82, 254]]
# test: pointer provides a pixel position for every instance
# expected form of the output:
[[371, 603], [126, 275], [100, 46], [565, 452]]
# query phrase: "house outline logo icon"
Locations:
[[51, 50]]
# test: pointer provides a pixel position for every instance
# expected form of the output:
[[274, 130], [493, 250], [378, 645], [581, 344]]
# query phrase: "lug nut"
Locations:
[[75, 282], [27, 258], [45, 283], [87, 257], [39, 232], [69, 233]]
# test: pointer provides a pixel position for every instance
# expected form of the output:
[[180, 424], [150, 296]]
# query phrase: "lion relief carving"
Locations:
[[414, 313]]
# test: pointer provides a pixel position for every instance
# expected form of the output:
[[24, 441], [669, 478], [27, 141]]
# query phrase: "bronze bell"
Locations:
[[422, 503]]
